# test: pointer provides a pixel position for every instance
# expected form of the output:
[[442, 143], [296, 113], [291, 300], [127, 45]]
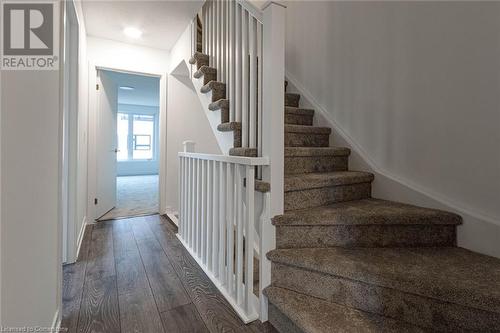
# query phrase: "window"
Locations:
[[136, 136]]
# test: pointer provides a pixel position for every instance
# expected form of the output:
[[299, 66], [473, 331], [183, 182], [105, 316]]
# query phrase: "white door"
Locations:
[[107, 96]]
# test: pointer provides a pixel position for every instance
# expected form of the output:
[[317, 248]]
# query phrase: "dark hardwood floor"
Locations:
[[133, 275]]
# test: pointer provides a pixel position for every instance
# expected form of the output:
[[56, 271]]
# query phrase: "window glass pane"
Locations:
[[122, 131], [143, 137]]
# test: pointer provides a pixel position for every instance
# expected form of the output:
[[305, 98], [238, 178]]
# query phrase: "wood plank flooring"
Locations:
[[133, 275]]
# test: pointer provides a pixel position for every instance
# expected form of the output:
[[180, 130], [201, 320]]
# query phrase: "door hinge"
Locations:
[[97, 87], [95, 201]]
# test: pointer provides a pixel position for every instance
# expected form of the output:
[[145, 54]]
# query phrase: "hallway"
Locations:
[[133, 275]]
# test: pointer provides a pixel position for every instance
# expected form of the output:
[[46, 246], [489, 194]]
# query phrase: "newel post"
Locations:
[[183, 190], [189, 146], [273, 134]]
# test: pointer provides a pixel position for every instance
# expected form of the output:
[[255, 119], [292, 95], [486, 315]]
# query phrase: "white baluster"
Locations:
[[199, 208], [189, 203], [209, 234], [214, 261], [232, 65], [249, 236], [204, 32], [244, 78], [239, 234], [212, 34], [252, 128], [203, 235], [259, 93], [230, 229], [237, 38], [223, 216], [217, 37], [267, 243]]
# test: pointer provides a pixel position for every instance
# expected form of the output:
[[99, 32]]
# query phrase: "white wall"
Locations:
[[117, 55], [30, 243], [414, 87], [110, 54], [186, 119]]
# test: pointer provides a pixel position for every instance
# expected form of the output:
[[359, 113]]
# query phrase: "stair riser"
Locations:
[[308, 164], [218, 93], [365, 236], [207, 77], [293, 139], [201, 61], [224, 115], [281, 322], [411, 308], [236, 138], [296, 119], [326, 195], [292, 100]]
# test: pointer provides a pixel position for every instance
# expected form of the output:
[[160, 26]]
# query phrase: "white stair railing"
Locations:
[[232, 37], [217, 210], [217, 224]]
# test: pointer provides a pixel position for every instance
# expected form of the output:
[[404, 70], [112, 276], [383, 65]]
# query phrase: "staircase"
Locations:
[[346, 262]]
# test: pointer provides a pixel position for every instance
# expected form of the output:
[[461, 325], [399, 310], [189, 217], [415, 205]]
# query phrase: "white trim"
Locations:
[[228, 158], [173, 218], [80, 237], [443, 200], [268, 3], [56, 322], [252, 9]]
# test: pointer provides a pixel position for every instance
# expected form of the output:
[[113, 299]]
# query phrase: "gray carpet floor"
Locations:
[[135, 196]]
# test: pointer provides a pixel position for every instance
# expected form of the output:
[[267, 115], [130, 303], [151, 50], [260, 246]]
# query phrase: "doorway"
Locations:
[[128, 145]]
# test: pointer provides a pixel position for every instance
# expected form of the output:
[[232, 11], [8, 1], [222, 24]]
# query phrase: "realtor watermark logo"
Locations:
[[30, 35]]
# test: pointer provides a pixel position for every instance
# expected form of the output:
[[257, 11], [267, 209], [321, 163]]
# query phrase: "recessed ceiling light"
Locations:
[[126, 88], [132, 32]]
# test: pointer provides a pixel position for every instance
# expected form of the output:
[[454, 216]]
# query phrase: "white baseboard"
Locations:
[[173, 218], [80, 237], [56, 322], [478, 233]]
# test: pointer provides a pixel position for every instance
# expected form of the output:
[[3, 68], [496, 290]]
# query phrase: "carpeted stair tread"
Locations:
[[242, 151], [212, 85], [367, 212], [292, 99], [299, 111], [204, 70], [312, 315], [230, 126], [199, 59], [307, 129], [220, 104], [450, 274], [306, 181], [316, 151]]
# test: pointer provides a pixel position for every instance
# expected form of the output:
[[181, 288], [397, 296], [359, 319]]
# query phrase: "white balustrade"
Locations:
[[232, 36], [217, 224], [218, 209]]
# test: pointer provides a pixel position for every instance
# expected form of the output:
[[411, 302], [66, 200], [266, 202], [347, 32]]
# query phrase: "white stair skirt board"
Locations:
[[136, 196]]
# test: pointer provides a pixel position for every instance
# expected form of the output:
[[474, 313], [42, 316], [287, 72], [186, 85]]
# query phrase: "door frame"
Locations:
[[70, 77], [93, 117]]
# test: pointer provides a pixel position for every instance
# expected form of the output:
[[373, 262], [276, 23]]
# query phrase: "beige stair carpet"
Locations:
[[135, 196]]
